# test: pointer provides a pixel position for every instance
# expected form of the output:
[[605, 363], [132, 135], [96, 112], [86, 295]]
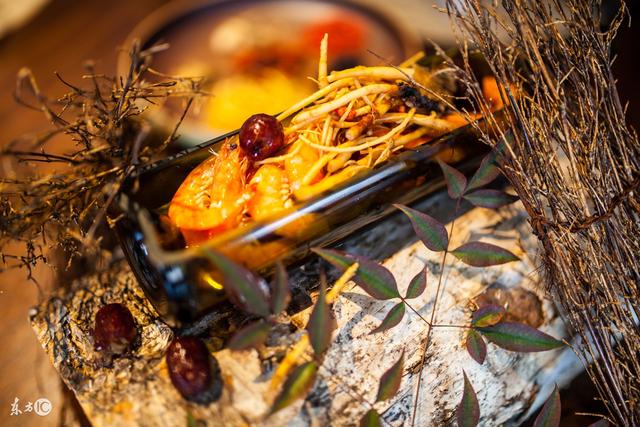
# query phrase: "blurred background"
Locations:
[[255, 55]]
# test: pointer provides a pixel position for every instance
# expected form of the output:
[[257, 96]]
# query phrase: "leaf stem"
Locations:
[[415, 311], [433, 314], [452, 326]]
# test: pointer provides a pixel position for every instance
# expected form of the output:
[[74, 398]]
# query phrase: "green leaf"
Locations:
[[246, 290], [487, 315], [321, 323], [491, 199], [281, 292], [252, 335], [476, 346], [549, 415], [456, 181], [519, 337], [428, 229], [296, 386], [191, 421], [375, 279], [468, 411], [370, 419], [417, 285], [393, 317], [480, 254], [390, 381], [487, 172]]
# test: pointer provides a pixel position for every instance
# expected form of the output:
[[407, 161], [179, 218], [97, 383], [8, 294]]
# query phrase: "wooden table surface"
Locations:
[[60, 38]]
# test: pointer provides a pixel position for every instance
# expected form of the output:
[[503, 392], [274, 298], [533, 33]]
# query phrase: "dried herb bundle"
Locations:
[[98, 137], [575, 165]]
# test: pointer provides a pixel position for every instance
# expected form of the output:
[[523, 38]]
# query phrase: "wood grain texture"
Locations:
[[63, 35]]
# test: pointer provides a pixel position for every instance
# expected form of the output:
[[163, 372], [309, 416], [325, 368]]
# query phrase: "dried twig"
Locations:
[[99, 137], [575, 165]]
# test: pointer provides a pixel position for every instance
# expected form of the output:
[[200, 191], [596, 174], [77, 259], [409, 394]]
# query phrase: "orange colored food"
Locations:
[[297, 167], [357, 122], [210, 198], [268, 193], [347, 36]]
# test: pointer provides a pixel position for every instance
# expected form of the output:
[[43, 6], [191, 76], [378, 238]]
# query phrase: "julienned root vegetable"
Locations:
[[357, 119]]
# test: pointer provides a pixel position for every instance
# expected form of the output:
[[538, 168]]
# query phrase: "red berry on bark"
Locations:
[[192, 370], [261, 136], [114, 329]]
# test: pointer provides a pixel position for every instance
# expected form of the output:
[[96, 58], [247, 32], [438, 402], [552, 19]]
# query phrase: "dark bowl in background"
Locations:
[[206, 37]]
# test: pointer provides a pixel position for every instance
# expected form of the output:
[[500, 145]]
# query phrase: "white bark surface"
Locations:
[[137, 390]]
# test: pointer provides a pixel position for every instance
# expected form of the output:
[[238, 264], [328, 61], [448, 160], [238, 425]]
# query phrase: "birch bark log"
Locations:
[[136, 389]]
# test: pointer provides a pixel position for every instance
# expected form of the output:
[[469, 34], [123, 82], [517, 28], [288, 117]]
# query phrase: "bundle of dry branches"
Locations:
[[575, 165], [98, 137]]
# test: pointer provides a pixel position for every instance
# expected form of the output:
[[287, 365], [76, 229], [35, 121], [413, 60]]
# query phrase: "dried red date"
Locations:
[[261, 136], [114, 329], [193, 371]]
